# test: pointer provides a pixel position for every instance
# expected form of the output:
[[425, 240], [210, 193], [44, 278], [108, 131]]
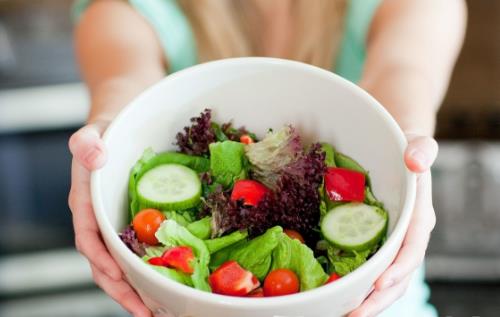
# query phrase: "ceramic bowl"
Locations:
[[259, 93]]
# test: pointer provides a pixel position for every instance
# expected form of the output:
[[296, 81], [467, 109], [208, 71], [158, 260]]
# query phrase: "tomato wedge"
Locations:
[[250, 191], [231, 279], [179, 258], [343, 184]]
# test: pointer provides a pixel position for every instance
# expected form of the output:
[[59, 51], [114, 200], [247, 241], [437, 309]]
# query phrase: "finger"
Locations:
[[412, 252], [420, 153], [380, 300], [87, 238], [122, 293], [87, 146]]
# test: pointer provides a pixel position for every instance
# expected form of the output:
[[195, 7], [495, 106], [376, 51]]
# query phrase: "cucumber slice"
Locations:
[[354, 226], [169, 187]]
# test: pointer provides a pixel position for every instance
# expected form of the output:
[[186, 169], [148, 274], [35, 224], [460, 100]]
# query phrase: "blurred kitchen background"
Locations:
[[42, 101]]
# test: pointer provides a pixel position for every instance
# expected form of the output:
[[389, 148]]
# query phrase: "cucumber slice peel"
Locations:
[[169, 187], [354, 226]]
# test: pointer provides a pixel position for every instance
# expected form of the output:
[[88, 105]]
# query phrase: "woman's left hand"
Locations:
[[392, 284]]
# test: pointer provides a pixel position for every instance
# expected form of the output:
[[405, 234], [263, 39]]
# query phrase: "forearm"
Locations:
[[412, 49], [119, 56], [407, 95], [110, 95]]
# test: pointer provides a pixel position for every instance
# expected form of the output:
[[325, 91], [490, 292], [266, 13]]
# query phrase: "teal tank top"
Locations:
[[177, 39]]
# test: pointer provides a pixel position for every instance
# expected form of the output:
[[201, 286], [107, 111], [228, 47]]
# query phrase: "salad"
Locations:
[[234, 215]]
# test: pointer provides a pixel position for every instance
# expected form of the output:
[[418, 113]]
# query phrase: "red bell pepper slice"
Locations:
[[343, 184], [231, 279], [250, 191], [179, 258]]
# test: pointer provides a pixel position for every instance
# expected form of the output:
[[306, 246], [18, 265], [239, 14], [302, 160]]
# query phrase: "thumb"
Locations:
[[420, 153], [87, 146]]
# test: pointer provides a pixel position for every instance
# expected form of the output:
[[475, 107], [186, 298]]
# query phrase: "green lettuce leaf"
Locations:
[[217, 244], [171, 234], [329, 154], [293, 255], [253, 255], [172, 274], [156, 251], [228, 162], [183, 218], [344, 263], [149, 160], [202, 228]]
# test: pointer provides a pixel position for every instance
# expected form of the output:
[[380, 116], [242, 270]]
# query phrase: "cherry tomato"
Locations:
[[294, 235], [179, 258], [250, 191], [145, 224], [333, 277], [281, 282], [246, 139]]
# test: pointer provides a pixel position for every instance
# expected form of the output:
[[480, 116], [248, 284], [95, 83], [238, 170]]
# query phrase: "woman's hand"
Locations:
[[419, 156], [89, 153]]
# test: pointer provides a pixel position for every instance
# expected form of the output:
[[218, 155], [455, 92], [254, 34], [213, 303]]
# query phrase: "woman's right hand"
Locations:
[[89, 153]]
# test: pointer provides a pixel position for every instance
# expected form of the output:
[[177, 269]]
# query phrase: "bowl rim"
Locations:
[[393, 241]]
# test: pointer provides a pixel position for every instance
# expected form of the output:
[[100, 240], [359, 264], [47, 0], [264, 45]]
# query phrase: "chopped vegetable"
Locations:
[[344, 262], [281, 282], [150, 160], [246, 139], [145, 224], [217, 244], [354, 226], [342, 184], [172, 274], [179, 258], [231, 279], [170, 187], [250, 191], [256, 254], [269, 156], [195, 139], [129, 237], [171, 234], [156, 261], [333, 277], [329, 154], [294, 235], [202, 228], [259, 292], [228, 162], [293, 255]]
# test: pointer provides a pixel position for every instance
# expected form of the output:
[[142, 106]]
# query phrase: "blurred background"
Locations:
[[42, 101]]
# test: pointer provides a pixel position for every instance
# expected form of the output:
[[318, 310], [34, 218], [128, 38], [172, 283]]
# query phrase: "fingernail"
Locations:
[[419, 157], [386, 284]]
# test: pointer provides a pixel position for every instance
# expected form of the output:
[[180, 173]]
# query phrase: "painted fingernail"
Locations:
[[386, 284]]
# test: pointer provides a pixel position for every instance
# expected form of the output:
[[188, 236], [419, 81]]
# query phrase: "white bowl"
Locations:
[[259, 93]]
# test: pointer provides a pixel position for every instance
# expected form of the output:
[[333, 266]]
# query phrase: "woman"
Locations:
[[401, 51]]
